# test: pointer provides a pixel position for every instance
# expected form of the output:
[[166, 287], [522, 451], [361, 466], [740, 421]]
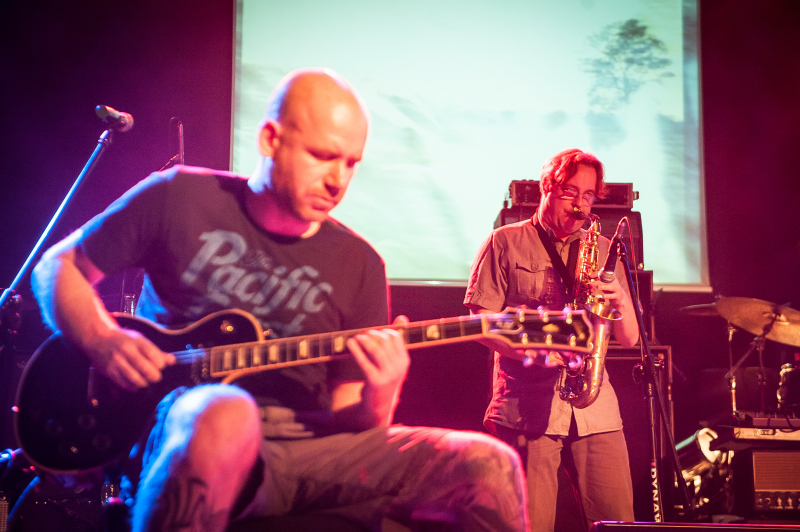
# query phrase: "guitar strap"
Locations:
[[555, 258]]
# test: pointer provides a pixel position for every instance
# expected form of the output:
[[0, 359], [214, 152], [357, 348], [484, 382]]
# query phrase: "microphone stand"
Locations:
[[655, 403], [102, 142], [9, 293], [10, 301]]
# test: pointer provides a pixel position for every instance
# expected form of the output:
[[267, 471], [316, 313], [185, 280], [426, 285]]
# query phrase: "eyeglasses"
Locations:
[[570, 193]]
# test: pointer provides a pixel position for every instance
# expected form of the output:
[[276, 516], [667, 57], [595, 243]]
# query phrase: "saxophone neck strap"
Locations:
[[555, 258]]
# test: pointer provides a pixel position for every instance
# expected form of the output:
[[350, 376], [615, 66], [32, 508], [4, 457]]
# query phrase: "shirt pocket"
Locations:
[[528, 280]]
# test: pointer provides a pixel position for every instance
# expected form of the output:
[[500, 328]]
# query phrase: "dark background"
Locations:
[[157, 59]]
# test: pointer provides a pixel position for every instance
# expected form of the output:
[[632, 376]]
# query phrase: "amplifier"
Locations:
[[619, 364], [766, 482], [620, 195]]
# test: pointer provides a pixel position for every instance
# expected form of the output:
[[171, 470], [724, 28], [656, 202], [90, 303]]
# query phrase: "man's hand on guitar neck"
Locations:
[[383, 356]]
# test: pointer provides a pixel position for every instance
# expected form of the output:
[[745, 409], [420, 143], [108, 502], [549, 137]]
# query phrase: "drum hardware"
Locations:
[[774, 322], [706, 310], [732, 378], [710, 310], [789, 390], [768, 321], [756, 345], [707, 459]]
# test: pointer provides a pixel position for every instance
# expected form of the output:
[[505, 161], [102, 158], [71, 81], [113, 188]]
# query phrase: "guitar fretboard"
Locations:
[[321, 347]]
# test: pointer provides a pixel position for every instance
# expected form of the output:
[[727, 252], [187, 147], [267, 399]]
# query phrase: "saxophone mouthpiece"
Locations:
[[578, 214]]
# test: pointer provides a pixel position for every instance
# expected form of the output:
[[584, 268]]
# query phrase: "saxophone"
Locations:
[[581, 386]]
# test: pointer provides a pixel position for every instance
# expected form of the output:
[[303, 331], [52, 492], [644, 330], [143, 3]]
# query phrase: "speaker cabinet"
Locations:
[[620, 364], [609, 218]]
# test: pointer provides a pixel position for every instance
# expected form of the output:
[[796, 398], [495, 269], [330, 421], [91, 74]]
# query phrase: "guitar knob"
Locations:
[[87, 421], [67, 449], [53, 428], [101, 442]]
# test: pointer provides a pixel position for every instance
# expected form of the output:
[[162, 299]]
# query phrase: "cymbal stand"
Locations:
[[756, 345], [731, 378]]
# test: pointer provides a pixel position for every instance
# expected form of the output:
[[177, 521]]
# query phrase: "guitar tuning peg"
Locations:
[[528, 360]]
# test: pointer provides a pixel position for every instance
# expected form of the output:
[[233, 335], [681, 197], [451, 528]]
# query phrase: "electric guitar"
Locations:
[[70, 418]]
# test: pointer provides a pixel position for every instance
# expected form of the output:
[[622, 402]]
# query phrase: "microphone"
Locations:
[[118, 120], [607, 275], [180, 143]]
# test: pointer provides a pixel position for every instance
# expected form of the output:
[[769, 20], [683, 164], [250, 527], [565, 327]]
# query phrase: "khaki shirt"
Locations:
[[513, 268]]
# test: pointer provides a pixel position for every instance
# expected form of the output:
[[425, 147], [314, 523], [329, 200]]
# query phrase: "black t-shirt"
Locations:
[[202, 253]]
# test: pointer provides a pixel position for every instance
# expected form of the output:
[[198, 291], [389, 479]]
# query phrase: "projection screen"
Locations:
[[467, 96]]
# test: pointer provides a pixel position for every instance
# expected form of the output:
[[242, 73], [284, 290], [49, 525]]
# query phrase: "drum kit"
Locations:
[[767, 321], [703, 465]]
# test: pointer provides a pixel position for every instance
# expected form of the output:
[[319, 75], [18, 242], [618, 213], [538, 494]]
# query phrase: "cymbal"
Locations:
[[707, 309], [754, 315]]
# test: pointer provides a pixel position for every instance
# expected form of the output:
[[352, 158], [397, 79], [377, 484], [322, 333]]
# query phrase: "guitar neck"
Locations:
[[519, 330], [273, 354]]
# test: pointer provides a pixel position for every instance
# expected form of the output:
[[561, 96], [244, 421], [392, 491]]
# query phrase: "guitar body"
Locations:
[[69, 418]]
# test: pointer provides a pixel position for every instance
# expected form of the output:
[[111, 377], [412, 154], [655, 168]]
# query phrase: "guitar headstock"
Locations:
[[523, 329]]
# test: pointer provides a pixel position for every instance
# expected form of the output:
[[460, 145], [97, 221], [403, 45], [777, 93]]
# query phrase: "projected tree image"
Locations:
[[629, 58]]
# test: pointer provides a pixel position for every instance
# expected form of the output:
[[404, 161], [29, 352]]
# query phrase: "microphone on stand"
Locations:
[[179, 125], [607, 275], [180, 143], [114, 119], [177, 157]]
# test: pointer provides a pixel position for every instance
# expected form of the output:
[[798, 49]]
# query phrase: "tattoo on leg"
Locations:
[[184, 506]]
